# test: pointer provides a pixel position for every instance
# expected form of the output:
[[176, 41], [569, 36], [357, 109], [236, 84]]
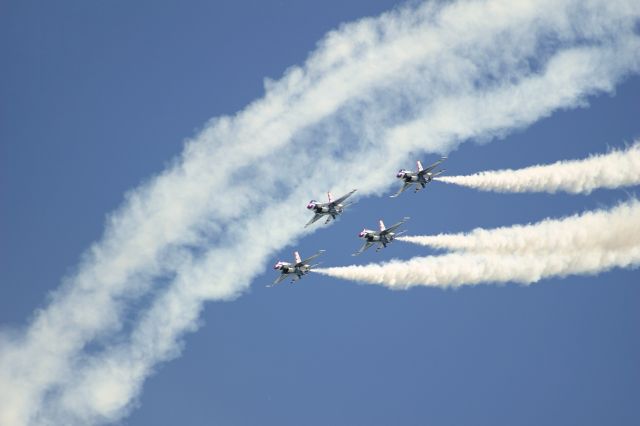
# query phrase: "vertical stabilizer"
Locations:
[[297, 256], [330, 197], [420, 168], [382, 227]]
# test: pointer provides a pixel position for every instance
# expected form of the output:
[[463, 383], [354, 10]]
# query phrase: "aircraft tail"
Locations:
[[297, 256], [420, 168], [330, 197], [382, 227]]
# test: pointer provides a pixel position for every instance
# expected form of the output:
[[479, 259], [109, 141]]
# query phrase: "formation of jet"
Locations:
[[294, 270], [332, 209], [418, 178], [382, 237]]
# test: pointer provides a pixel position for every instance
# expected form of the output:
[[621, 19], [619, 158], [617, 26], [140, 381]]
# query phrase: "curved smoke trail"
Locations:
[[616, 228], [418, 78], [616, 169]]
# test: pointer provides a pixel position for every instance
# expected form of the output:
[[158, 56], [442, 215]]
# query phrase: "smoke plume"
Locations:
[[458, 269], [587, 244], [617, 169], [603, 229]]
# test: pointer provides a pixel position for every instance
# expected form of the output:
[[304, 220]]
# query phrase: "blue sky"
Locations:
[[98, 97]]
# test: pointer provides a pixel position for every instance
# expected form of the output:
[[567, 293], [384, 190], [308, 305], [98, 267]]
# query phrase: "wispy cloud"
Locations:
[[616, 169], [587, 244], [418, 78]]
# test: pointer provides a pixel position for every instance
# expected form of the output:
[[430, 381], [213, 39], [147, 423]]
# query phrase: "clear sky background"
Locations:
[[96, 97]]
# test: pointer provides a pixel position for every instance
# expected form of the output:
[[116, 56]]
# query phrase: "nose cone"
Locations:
[[276, 266], [362, 233], [311, 205], [400, 174]]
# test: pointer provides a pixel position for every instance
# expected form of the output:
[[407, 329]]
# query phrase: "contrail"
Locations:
[[420, 78], [617, 169], [606, 229], [458, 269]]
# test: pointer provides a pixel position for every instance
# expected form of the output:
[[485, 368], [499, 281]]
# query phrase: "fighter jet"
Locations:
[[420, 178], [332, 209], [382, 237], [296, 270]]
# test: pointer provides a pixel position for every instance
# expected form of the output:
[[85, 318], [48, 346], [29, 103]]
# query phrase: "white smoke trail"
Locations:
[[458, 269], [606, 229], [613, 170], [587, 244], [463, 70]]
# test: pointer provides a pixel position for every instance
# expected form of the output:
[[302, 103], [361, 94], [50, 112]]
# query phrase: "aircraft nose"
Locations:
[[310, 206]]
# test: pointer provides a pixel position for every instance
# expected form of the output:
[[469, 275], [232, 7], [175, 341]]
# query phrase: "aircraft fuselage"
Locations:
[[415, 178], [384, 239], [328, 210]]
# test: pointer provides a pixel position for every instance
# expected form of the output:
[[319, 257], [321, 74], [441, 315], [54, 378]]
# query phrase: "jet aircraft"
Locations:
[[382, 237], [420, 178], [295, 270], [332, 209]]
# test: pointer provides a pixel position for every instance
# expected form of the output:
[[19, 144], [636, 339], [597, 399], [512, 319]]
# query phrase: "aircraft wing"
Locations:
[[405, 186], [278, 280], [365, 246], [394, 226], [433, 166], [314, 218], [302, 262], [344, 197]]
